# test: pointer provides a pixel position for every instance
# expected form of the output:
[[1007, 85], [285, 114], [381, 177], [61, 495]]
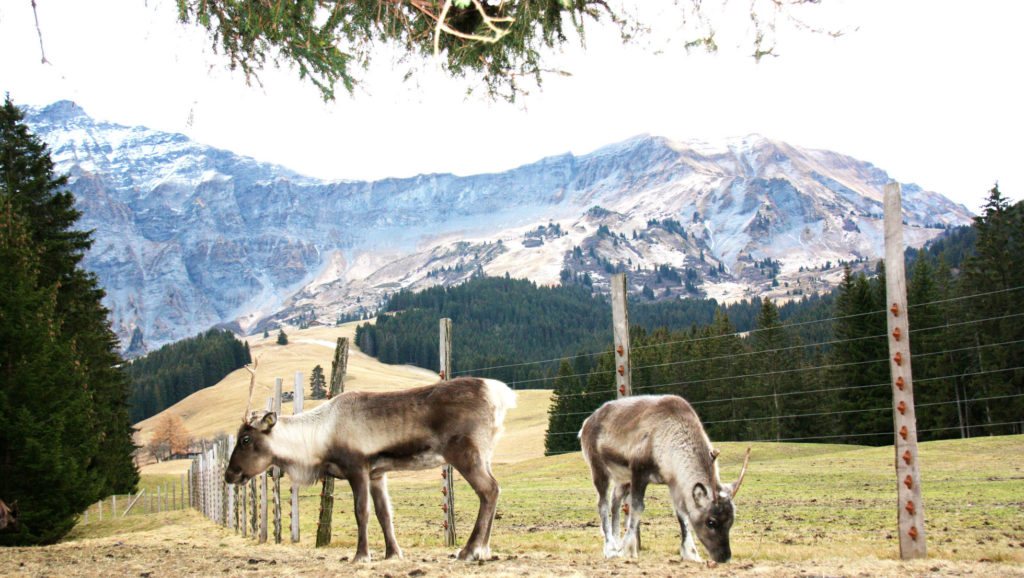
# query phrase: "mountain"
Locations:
[[188, 236]]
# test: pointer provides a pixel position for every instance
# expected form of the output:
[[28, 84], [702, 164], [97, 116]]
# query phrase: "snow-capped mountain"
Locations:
[[188, 236]]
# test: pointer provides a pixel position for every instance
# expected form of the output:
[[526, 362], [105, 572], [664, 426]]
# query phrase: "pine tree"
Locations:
[[317, 383], [64, 408], [282, 338], [774, 362], [564, 414], [931, 344], [859, 361], [994, 276]]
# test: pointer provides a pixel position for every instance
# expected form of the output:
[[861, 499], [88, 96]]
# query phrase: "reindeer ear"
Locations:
[[701, 496], [268, 421]]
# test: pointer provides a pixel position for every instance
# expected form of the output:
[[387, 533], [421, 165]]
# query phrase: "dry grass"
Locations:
[[805, 509], [185, 544]]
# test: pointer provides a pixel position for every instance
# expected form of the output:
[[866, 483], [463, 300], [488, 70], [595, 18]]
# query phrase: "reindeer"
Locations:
[[362, 436], [636, 441], [9, 517]]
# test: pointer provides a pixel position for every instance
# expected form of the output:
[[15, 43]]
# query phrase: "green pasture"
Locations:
[[798, 502]]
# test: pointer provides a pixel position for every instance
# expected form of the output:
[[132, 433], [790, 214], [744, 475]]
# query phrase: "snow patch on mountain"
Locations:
[[188, 236]]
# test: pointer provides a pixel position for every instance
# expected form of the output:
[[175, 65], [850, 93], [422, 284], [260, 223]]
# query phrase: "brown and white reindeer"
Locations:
[[361, 436], [636, 441], [9, 517]]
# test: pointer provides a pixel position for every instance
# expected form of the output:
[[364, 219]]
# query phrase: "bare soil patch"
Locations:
[[185, 544]]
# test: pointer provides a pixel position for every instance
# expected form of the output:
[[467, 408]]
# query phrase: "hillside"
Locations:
[[218, 409]]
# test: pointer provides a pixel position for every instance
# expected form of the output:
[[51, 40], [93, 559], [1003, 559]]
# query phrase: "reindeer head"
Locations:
[[714, 514], [251, 455]]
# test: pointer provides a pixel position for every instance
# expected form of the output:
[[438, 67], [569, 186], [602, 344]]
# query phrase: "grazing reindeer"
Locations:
[[640, 440], [361, 436], [9, 517]]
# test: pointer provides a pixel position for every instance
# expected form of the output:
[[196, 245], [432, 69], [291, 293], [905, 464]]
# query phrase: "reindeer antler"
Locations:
[[714, 478], [743, 472], [252, 386]]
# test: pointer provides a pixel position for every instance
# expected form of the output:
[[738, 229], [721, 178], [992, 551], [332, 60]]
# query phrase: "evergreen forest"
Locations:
[[813, 370], [175, 371]]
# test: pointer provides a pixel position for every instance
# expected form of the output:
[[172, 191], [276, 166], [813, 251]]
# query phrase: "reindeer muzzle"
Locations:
[[235, 476]]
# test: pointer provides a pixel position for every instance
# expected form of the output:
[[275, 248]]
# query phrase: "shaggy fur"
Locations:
[[361, 436], [636, 441]]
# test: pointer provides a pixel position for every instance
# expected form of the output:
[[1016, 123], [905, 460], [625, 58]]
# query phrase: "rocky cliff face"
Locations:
[[188, 236]]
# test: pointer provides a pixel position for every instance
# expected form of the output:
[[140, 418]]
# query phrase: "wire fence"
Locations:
[[975, 501], [1014, 349], [153, 497]]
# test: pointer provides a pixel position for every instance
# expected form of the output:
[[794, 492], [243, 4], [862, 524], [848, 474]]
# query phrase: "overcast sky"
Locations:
[[928, 90]]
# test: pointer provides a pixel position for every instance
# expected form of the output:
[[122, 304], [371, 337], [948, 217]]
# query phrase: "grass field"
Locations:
[[803, 510]]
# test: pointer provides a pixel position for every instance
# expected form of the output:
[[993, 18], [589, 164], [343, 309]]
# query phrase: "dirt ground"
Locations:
[[185, 544]]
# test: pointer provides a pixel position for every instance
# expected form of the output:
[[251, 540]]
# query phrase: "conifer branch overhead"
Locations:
[[495, 42]]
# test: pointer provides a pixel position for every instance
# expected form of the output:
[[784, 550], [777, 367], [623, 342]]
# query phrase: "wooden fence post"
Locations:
[[908, 475], [620, 325], [264, 495], [278, 382], [338, 368], [447, 472], [133, 502], [297, 398], [229, 490], [623, 366], [253, 516], [243, 510]]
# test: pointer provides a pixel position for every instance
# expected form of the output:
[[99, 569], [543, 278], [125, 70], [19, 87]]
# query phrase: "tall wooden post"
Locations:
[[230, 518], [297, 398], [278, 383], [253, 508], [620, 324], [447, 483], [908, 475], [338, 368], [264, 495], [243, 510]]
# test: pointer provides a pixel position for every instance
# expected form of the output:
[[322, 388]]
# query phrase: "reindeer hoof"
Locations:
[[474, 555], [360, 558], [394, 555]]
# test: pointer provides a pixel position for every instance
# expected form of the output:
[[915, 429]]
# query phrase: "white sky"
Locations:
[[924, 89]]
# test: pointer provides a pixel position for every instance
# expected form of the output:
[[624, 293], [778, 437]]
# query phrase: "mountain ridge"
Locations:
[[189, 236]]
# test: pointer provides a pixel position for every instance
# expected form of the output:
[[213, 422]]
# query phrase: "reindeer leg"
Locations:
[[631, 541], [609, 529], [382, 507], [687, 548], [360, 482], [463, 455], [620, 492]]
